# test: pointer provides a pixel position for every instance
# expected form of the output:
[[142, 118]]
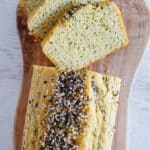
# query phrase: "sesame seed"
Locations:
[[45, 82]]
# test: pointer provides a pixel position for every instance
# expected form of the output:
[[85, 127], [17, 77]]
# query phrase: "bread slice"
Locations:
[[29, 5], [70, 110], [45, 16], [84, 36]]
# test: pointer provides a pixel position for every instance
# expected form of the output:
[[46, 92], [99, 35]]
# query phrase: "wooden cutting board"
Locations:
[[123, 63]]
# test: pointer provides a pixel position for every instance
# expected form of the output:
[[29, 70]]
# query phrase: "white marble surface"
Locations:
[[10, 82]]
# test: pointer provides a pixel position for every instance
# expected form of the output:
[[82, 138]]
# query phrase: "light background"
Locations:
[[10, 83]]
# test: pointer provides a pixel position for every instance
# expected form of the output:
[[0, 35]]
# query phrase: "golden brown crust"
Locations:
[[30, 5], [100, 89]]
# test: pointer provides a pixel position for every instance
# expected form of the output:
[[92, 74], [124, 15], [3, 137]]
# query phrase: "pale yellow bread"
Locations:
[[99, 103], [45, 16], [28, 6], [85, 35]]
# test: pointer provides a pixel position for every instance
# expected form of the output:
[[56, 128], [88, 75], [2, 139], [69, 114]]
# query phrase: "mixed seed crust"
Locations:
[[70, 110], [67, 110]]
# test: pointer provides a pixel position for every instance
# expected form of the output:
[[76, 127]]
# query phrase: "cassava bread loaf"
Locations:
[[45, 16], [84, 35], [70, 110], [29, 5]]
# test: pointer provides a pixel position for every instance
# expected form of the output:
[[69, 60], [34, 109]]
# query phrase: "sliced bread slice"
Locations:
[[84, 36], [29, 5], [70, 110], [45, 16]]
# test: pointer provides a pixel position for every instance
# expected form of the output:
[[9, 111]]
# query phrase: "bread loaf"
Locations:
[[70, 110], [45, 16], [84, 35], [28, 6]]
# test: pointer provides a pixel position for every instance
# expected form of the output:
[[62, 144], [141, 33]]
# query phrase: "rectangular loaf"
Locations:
[[70, 110], [85, 35]]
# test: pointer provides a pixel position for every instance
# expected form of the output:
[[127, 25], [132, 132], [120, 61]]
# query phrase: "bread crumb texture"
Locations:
[[45, 16], [73, 110], [92, 32]]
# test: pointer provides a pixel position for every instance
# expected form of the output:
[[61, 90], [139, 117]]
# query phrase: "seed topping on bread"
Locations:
[[67, 113]]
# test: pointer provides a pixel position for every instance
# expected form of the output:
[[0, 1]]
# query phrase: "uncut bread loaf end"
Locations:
[[70, 110], [45, 16], [85, 34], [28, 6]]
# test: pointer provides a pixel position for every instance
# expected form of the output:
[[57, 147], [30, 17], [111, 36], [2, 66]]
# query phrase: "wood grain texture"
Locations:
[[122, 63]]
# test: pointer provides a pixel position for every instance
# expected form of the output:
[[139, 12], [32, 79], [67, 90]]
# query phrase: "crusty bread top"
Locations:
[[83, 37], [88, 96]]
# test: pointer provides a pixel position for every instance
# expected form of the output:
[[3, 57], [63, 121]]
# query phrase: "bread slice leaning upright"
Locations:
[[28, 6], [84, 35], [70, 110]]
